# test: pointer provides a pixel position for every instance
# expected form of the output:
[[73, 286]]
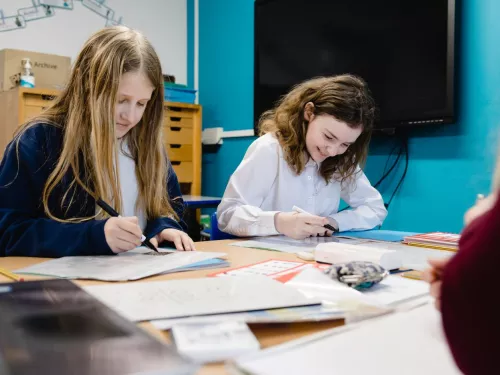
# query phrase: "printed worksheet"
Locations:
[[193, 297], [117, 268]]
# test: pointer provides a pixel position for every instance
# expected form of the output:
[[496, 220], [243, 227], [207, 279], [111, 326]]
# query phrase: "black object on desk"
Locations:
[[54, 327]]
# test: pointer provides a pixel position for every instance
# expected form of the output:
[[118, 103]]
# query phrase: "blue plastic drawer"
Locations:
[[183, 95]]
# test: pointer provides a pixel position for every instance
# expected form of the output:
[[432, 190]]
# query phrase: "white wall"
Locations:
[[164, 22]]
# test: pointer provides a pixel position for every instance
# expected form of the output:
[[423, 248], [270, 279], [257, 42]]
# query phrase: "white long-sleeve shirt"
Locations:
[[264, 184], [128, 185]]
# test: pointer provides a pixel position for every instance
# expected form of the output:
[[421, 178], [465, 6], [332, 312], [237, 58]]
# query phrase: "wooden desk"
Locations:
[[268, 334]]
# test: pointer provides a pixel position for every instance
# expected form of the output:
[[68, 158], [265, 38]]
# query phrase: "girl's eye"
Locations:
[[121, 101], [141, 104], [327, 137]]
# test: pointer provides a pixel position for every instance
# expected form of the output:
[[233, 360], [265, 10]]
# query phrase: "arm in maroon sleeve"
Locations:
[[469, 297]]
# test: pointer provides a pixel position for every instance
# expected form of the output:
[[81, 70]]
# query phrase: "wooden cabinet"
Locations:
[[181, 125], [182, 138], [19, 105]]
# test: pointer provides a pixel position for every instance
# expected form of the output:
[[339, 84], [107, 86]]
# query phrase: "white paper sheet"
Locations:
[[410, 343], [284, 244], [413, 257], [339, 301], [394, 290], [390, 292], [354, 305], [315, 313], [192, 297], [204, 343], [117, 268], [315, 284]]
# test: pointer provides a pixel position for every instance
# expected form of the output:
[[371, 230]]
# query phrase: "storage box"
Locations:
[[51, 71], [179, 93]]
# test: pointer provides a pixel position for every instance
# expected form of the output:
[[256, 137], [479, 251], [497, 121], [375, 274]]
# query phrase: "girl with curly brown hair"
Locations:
[[309, 155]]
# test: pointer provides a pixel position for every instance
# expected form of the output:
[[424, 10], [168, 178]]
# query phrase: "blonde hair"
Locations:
[[345, 97], [85, 113]]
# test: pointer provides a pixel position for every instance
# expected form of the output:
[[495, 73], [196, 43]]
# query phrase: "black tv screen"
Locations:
[[404, 50]]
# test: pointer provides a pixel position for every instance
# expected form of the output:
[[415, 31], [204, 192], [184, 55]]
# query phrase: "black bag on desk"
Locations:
[[54, 327]]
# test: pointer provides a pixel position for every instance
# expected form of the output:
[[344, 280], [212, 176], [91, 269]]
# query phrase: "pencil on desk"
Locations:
[[412, 275], [10, 275]]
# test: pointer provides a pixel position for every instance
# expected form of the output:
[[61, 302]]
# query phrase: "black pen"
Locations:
[[327, 226], [110, 210]]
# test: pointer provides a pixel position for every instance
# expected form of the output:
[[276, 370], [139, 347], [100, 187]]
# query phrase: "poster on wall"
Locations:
[[99, 8], [36, 12], [68, 4], [111, 22], [11, 23], [45, 8]]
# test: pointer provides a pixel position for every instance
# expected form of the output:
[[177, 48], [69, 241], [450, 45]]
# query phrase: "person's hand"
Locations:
[[122, 233], [433, 276], [299, 226], [180, 239], [481, 206]]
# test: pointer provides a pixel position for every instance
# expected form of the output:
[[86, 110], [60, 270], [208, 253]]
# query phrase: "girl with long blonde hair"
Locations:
[[309, 155], [101, 139]]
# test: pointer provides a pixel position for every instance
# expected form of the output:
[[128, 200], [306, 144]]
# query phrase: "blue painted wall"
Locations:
[[448, 165], [190, 42]]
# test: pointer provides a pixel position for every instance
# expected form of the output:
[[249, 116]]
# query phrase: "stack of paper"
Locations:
[[390, 292], [434, 240], [413, 257], [376, 234], [334, 253], [338, 301], [284, 244], [309, 279], [278, 269], [118, 268], [410, 343], [301, 314], [202, 265], [194, 297], [214, 342]]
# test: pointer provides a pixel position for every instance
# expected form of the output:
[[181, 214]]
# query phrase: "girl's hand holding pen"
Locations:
[[122, 233], [299, 226]]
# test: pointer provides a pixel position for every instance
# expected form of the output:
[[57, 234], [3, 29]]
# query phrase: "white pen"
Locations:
[[327, 226]]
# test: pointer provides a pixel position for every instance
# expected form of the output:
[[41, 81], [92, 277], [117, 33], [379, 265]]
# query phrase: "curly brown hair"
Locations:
[[345, 97]]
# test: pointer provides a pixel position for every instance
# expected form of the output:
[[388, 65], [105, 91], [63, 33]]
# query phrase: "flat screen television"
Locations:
[[404, 50]]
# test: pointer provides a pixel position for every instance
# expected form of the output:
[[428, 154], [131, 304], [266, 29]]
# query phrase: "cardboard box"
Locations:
[[51, 71]]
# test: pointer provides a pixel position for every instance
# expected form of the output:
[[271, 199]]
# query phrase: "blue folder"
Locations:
[[378, 235]]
